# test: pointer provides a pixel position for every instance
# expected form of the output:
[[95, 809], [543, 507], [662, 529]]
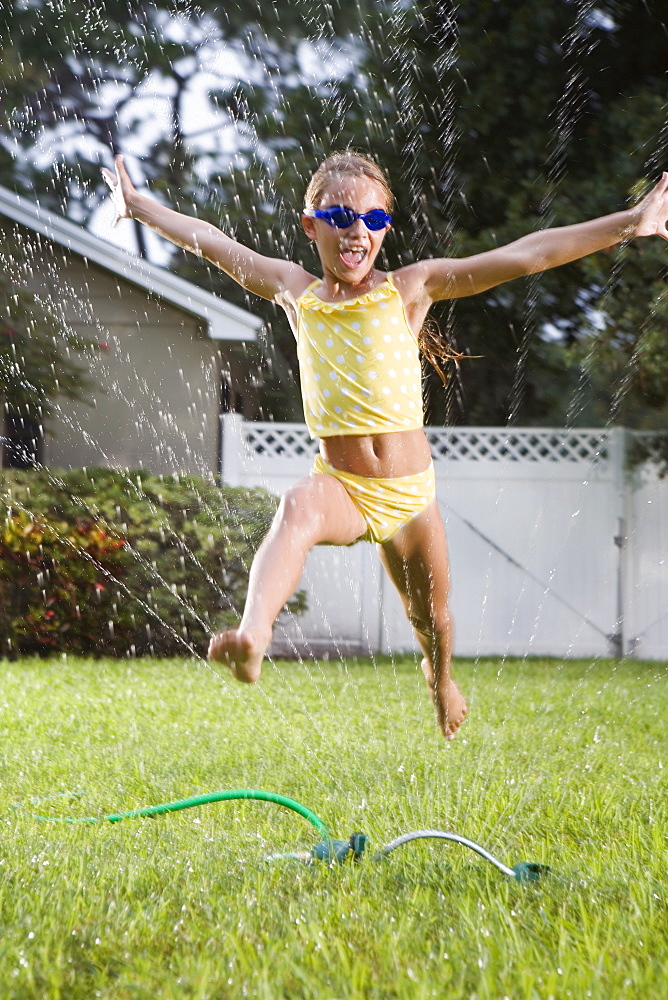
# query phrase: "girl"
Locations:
[[358, 332]]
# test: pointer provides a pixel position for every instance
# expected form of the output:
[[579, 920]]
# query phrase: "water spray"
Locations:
[[328, 850]]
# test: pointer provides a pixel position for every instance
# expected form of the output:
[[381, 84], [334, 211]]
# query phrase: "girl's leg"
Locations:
[[317, 509], [417, 562]]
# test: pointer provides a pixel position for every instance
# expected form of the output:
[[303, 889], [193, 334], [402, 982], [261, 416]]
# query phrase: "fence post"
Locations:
[[618, 469], [231, 449]]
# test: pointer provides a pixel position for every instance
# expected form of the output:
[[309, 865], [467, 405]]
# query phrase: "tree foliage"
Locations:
[[493, 119]]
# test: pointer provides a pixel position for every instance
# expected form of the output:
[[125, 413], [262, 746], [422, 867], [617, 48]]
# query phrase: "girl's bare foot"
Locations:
[[456, 712], [452, 709], [241, 651]]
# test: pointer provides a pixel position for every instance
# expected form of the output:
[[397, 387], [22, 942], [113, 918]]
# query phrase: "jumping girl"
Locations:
[[358, 332]]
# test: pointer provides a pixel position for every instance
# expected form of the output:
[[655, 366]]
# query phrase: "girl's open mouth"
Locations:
[[353, 256]]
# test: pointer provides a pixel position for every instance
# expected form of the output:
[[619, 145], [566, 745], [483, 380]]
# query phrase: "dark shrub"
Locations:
[[102, 562]]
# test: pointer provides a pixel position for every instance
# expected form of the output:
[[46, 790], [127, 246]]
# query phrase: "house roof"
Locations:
[[224, 320]]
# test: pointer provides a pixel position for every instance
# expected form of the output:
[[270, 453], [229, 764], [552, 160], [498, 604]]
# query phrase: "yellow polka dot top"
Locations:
[[359, 364]]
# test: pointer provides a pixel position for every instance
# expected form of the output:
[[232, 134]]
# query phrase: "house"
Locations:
[[167, 350]]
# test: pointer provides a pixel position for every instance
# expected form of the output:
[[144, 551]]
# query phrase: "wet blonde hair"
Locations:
[[347, 163], [351, 163], [435, 348]]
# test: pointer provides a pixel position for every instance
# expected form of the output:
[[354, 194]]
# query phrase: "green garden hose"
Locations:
[[198, 800]]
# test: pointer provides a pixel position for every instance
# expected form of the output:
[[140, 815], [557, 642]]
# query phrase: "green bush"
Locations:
[[103, 562]]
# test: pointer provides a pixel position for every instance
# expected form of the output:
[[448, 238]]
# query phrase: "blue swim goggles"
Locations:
[[342, 217]]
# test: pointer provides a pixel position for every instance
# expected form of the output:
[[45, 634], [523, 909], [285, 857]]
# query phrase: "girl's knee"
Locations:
[[298, 512], [293, 510]]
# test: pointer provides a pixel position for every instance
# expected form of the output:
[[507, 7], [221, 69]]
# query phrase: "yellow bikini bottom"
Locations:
[[385, 504]]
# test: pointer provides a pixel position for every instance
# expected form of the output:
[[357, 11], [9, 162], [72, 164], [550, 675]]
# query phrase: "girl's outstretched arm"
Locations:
[[265, 276], [540, 251]]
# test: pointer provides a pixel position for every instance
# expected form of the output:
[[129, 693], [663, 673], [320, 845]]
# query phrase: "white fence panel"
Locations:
[[534, 518], [646, 579], [522, 561]]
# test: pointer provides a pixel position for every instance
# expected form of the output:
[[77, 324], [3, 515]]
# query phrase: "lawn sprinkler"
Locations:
[[523, 871], [330, 851], [334, 852], [339, 851]]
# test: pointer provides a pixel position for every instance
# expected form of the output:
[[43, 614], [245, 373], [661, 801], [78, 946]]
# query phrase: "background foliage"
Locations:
[[493, 119], [103, 562]]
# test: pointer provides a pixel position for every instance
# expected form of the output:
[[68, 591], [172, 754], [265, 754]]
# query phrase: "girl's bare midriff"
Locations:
[[379, 456]]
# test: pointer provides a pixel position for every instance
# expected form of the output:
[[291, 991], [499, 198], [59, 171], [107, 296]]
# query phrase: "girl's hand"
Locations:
[[122, 189], [652, 211]]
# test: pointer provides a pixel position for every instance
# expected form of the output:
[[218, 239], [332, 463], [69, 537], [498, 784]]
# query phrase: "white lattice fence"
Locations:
[[284, 441], [534, 518], [476, 444], [493, 444]]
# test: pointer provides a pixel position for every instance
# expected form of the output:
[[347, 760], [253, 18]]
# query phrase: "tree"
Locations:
[[496, 119], [492, 118], [480, 150], [102, 59]]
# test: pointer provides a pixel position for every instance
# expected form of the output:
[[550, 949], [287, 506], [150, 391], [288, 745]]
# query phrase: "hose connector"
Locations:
[[337, 851]]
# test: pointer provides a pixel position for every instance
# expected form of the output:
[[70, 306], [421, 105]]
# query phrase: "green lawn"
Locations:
[[561, 763]]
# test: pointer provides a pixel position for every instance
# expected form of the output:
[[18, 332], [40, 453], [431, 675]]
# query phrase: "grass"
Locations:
[[561, 763]]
